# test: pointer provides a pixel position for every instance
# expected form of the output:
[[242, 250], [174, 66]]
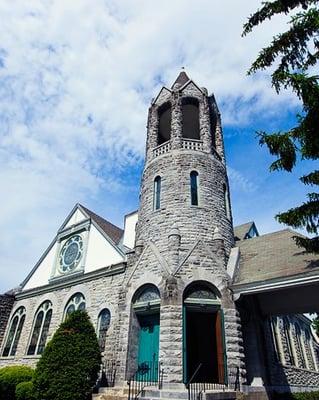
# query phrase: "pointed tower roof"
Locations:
[[180, 80]]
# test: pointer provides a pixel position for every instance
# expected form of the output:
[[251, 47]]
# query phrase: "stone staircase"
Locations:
[[121, 393]]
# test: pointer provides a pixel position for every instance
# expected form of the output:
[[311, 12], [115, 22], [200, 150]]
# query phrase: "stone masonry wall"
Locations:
[[99, 293], [6, 304]]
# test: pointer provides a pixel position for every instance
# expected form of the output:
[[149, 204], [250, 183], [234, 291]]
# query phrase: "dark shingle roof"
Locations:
[[241, 231], [113, 232], [274, 255], [181, 79]]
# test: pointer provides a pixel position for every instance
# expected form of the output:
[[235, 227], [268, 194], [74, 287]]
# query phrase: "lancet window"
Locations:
[[190, 114], [164, 123], [103, 325], [76, 302], [16, 325], [41, 327]]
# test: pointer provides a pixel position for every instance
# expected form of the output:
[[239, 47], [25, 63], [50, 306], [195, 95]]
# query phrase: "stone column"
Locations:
[[219, 139], [204, 125], [174, 241], [177, 121], [219, 248], [152, 129], [171, 334]]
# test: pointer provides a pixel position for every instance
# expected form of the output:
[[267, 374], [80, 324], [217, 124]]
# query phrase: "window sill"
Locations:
[[35, 356], [159, 210]]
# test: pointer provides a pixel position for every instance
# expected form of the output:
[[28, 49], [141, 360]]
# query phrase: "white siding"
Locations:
[[100, 252], [129, 230], [42, 274], [77, 217]]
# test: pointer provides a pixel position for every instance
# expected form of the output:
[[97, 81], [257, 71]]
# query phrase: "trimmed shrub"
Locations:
[[10, 377], [69, 366], [25, 391]]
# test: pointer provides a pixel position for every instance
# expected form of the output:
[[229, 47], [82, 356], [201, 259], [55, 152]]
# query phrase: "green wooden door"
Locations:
[[148, 347]]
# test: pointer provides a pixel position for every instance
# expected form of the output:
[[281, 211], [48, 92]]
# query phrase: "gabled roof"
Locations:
[[180, 80], [273, 256], [113, 232], [241, 231]]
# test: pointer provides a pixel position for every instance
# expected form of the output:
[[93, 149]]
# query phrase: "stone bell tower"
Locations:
[[176, 290], [184, 184]]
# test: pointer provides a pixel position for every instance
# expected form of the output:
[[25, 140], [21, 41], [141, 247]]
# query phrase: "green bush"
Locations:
[[70, 363], [25, 391], [297, 396], [10, 377]]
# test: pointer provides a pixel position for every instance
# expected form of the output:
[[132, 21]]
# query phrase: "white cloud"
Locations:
[[75, 84]]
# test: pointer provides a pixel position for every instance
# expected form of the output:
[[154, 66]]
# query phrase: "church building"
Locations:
[[179, 294]]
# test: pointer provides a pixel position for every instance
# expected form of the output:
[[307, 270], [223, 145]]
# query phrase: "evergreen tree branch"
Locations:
[[271, 8], [310, 245], [311, 179], [292, 45], [281, 145], [305, 215]]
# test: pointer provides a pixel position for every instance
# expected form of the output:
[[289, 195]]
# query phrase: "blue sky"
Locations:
[[76, 80]]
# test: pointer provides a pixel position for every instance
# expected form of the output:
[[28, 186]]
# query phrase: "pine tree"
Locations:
[[295, 55], [70, 363]]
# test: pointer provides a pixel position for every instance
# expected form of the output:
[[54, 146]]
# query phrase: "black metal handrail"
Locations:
[[148, 373], [106, 376], [195, 389]]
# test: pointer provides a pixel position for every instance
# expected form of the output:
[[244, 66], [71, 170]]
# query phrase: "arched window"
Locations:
[[147, 298], [276, 339], [157, 193], [164, 123], [226, 201], [200, 293], [310, 352], [40, 328], [15, 329], [194, 188], [300, 347], [76, 302], [289, 342], [190, 113], [103, 324]]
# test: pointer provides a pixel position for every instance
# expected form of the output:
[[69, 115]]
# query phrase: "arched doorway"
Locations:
[[146, 310], [203, 334]]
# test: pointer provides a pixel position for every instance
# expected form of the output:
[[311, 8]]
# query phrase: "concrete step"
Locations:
[[121, 393], [165, 394]]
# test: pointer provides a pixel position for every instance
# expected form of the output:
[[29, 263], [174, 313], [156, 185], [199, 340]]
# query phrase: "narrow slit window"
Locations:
[[194, 188], [157, 193], [226, 201], [300, 346], [289, 341]]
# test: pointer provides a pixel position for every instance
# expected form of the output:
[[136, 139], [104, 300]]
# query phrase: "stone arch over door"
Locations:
[[143, 346], [203, 334]]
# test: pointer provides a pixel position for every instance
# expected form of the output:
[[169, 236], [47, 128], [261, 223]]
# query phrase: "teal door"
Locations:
[[148, 347]]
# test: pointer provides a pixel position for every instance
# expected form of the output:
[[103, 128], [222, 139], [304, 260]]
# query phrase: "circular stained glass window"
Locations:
[[71, 253]]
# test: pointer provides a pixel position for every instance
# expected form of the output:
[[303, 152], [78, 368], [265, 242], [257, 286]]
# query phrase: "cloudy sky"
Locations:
[[76, 80]]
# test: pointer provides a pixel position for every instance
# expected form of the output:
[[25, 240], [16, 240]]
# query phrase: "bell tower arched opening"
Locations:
[[190, 114], [164, 123], [203, 334]]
